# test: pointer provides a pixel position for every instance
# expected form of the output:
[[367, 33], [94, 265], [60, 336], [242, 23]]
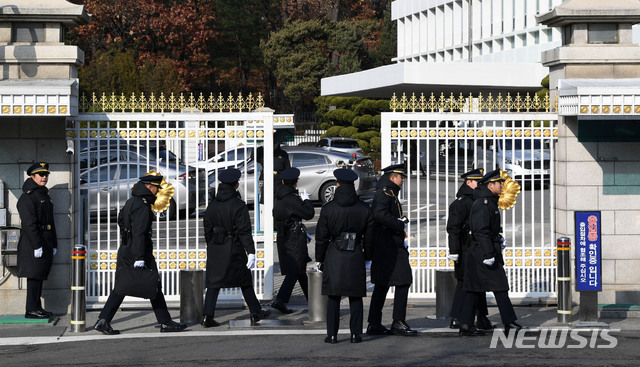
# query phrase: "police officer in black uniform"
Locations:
[[38, 241], [289, 209], [230, 248], [344, 241], [136, 250], [484, 267], [390, 265], [458, 230]]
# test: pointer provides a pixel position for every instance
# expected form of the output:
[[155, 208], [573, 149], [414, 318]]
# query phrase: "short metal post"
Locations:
[[78, 289], [191, 296], [445, 288], [564, 280], [317, 302]]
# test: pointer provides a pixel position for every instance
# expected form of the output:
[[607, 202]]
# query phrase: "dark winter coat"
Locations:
[[344, 272], [288, 211], [280, 163], [390, 258], [38, 230], [135, 221], [484, 223], [458, 227], [227, 230]]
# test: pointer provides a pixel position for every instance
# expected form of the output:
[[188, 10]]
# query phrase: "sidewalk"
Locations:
[[141, 323]]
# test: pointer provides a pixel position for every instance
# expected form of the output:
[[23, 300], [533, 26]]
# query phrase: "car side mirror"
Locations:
[[340, 164]]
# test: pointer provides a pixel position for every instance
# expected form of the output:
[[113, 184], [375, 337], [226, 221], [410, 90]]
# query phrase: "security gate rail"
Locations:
[[438, 147], [113, 149]]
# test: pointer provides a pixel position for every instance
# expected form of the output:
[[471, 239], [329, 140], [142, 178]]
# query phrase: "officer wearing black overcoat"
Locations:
[[38, 241], [484, 269], [230, 248], [136, 250], [458, 230], [344, 240], [280, 163], [390, 265], [289, 209]]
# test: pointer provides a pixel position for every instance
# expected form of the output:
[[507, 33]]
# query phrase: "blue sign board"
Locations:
[[588, 252]]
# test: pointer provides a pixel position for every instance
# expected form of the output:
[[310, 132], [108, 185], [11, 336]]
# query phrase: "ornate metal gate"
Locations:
[[441, 138], [118, 139]]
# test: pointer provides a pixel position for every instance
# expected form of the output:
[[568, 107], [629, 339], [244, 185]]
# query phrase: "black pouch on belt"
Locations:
[[347, 241]]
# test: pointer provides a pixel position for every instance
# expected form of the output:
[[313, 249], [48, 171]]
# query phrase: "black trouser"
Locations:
[[333, 315], [114, 301], [458, 301], [507, 313], [248, 294], [284, 294], [34, 292], [377, 302]]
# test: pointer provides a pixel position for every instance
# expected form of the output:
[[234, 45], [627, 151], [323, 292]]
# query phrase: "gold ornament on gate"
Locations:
[[163, 198], [510, 190]]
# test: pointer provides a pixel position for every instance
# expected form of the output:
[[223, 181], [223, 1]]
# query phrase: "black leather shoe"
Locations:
[[172, 326], [208, 321], [37, 314], [455, 324], [281, 306], [399, 327], [331, 339], [512, 326], [377, 330], [104, 327], [45, 312], [466, 330], [483, 323], [257, 316], [356, 338]]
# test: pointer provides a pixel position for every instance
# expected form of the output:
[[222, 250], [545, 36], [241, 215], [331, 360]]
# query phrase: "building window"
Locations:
[[28, 32], [603, 33]]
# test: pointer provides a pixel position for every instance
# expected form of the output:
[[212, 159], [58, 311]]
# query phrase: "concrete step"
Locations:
[[618, 311]]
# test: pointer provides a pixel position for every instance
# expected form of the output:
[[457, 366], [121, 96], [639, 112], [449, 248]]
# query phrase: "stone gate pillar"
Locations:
[[38, 90], [596, 76]]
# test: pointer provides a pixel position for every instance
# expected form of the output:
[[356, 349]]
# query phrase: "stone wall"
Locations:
[[23, 141]]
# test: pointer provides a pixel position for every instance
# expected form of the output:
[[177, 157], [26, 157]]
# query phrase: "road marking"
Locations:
[[423, 207]]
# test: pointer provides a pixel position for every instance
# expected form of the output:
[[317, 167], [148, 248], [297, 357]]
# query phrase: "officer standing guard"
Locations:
[[288, 211], [230, 248], [458, 230], [343, 243], [38, 240], [280, 163], [390, 265], [484, 268], [135, 220]]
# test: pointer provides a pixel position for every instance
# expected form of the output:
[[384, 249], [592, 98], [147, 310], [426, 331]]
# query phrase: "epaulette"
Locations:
[[384, 189]]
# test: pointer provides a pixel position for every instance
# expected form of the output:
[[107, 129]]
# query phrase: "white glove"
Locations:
[[54, 251], [304, 195], [37, 253], [138, 264], [367, 264], [318, 266], [503, 243], [404, 219], [251, 261], [489, 262], [453, 257], [308, 238]]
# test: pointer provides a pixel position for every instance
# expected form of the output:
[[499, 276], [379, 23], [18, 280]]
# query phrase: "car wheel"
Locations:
[[327, 191], [170, 213]]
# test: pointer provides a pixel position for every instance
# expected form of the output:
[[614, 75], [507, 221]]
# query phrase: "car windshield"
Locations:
[[345, 144], [517, 144]]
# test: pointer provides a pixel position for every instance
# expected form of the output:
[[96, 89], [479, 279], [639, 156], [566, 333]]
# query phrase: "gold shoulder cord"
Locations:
[[163, 198]]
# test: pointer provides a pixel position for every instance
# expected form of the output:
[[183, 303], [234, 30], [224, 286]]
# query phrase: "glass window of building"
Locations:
[[603, 33]]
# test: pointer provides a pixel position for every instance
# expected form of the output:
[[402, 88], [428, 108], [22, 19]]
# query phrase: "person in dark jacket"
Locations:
[[458, 230], [344, 236], [280, 163], [38, 240], [230, 248], [135, 221], [390, 265], [289, 209], [484, 267]]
